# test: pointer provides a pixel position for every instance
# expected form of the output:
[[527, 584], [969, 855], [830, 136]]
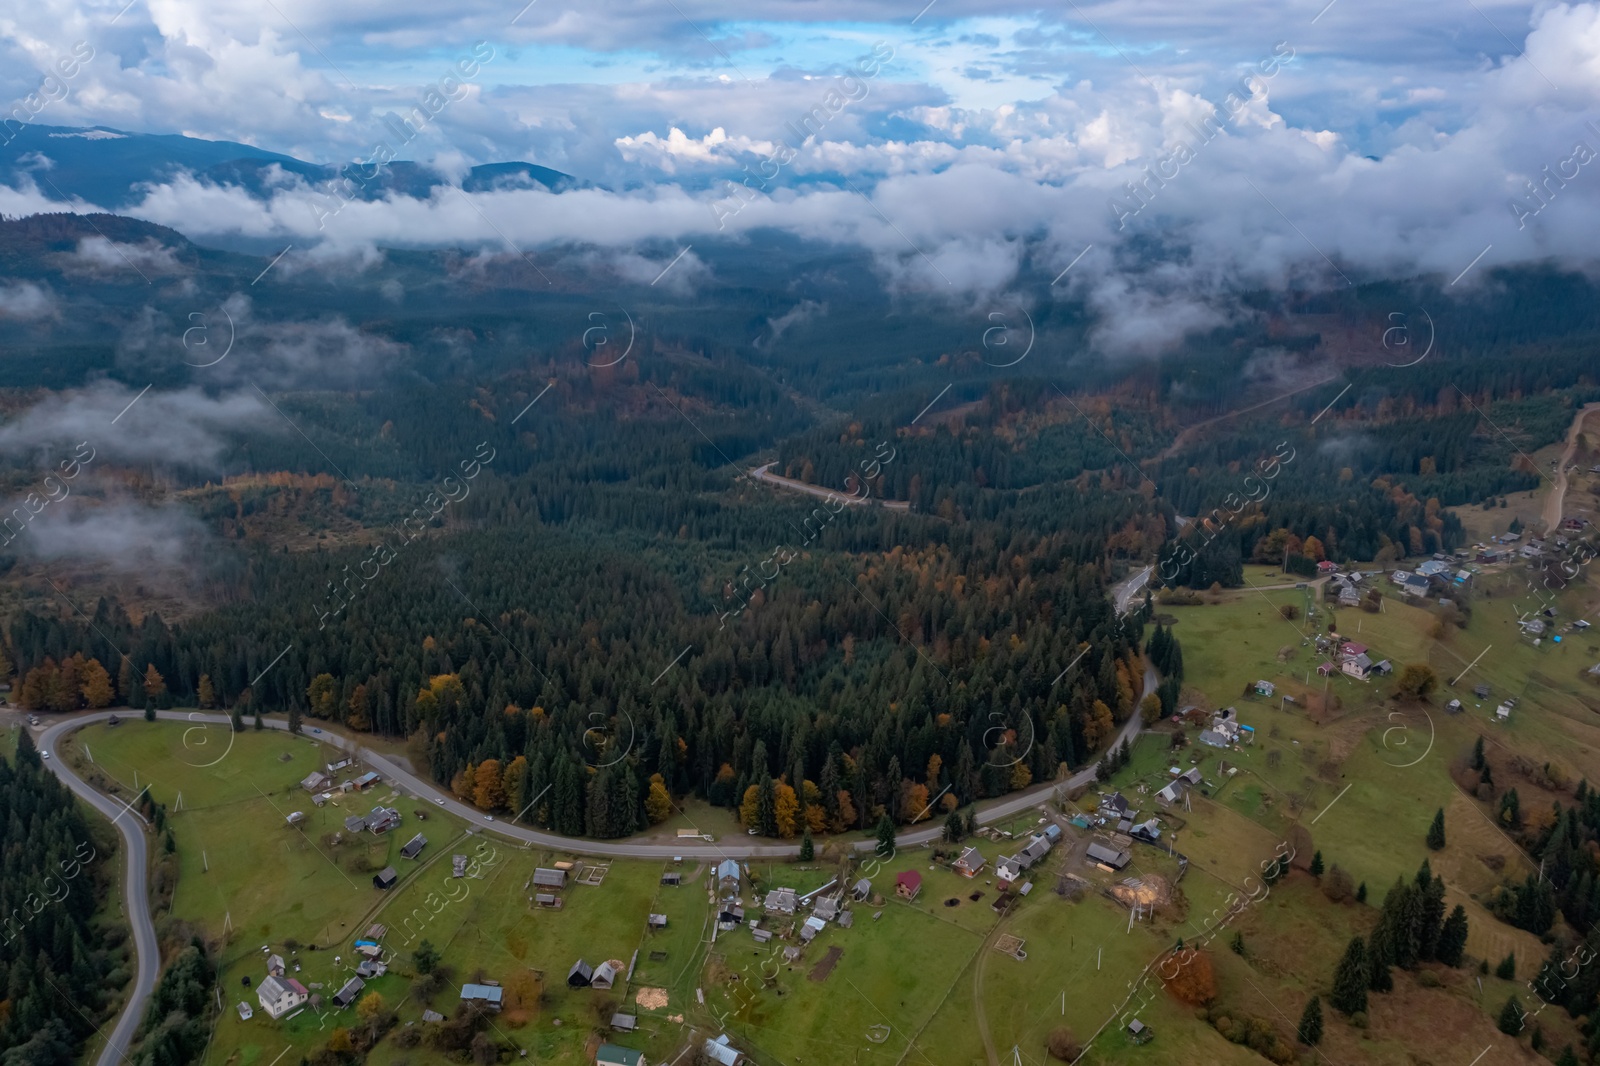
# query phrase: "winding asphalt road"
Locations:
[[130, 823], [134, 891]]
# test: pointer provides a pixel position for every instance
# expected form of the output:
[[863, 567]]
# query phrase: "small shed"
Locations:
[[605, 975], [626, 1023], [908, 884], [862, 889], [580, 975], [1139, 1032], [547, 878], [414, 847], [348, 992], [657, 921], [245, 1011], [385, 878]]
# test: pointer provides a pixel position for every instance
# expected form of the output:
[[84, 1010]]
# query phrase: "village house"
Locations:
[[810, 928], [728, 877], [382, 819], [827, 908], [908, 884], [1357, 666], [970, 862], [280, 995], [781, 901], [1008, 869]]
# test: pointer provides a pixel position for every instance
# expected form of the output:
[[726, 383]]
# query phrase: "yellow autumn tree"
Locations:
[[750, 808], [488, 790], [786, 809], [463, 783], [207, 692], [935, 767], [658, 802], [154, 684], [511, 784], [914, 801], [97, 691], [1020, 776], [847, 811]]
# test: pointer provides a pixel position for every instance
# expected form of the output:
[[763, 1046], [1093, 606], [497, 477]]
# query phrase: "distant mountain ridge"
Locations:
[[107, 166]]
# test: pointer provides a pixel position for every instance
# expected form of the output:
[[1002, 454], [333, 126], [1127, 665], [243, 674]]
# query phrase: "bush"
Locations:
[[1063, 1044], [1359, 1019], [1428, 979], [1337, 885]]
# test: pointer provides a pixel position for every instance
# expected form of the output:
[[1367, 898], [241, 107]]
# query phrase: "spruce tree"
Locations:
[[1361, 892], [259, 724], [1477, 755], [953, 827], [1316, 864], [1349, 994], [885, 836], [1436, 831], [1452, 938], [294, 718], [1511, 1017], [1310, 1031], [1568, 1057], [807, 849], [1507, 970], [1380, 956]]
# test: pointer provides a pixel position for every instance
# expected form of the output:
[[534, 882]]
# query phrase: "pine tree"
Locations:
[[259, 724], [1507, 970], [1511, 1016], [1568, 1057], [1453, 938], [807, 849], [1361, 892], [1349, 994], [885, 836], [294, 718], [1316, 864], [1436, 831], [236, 720], [149, 711], [1310, 1031]]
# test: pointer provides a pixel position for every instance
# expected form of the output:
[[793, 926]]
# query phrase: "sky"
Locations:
[[964, 143]]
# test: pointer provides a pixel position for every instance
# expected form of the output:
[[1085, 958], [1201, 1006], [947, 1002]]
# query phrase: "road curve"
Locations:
[[736, 848], [135, 894]]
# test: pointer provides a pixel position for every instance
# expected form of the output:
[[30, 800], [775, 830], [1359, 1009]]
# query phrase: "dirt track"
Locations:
[[1554, 503]]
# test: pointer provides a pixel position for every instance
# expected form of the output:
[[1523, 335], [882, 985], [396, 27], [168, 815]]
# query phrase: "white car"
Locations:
[[439, 800], [488, 817], [44, 755]]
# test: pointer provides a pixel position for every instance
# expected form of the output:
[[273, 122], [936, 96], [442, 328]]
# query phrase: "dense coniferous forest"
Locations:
[[59, 968]]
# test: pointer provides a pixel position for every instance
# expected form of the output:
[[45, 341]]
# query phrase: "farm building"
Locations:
[[617, 1055], [605, 975], [366, 780], [316, 781], [414, 847], [580, 975], [385, 878], [656, 921], [1108, 856], [625, 1023], [722, 1052], [485, 994], [862, 889], [908, 884], [827, 908], [546, 878]]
